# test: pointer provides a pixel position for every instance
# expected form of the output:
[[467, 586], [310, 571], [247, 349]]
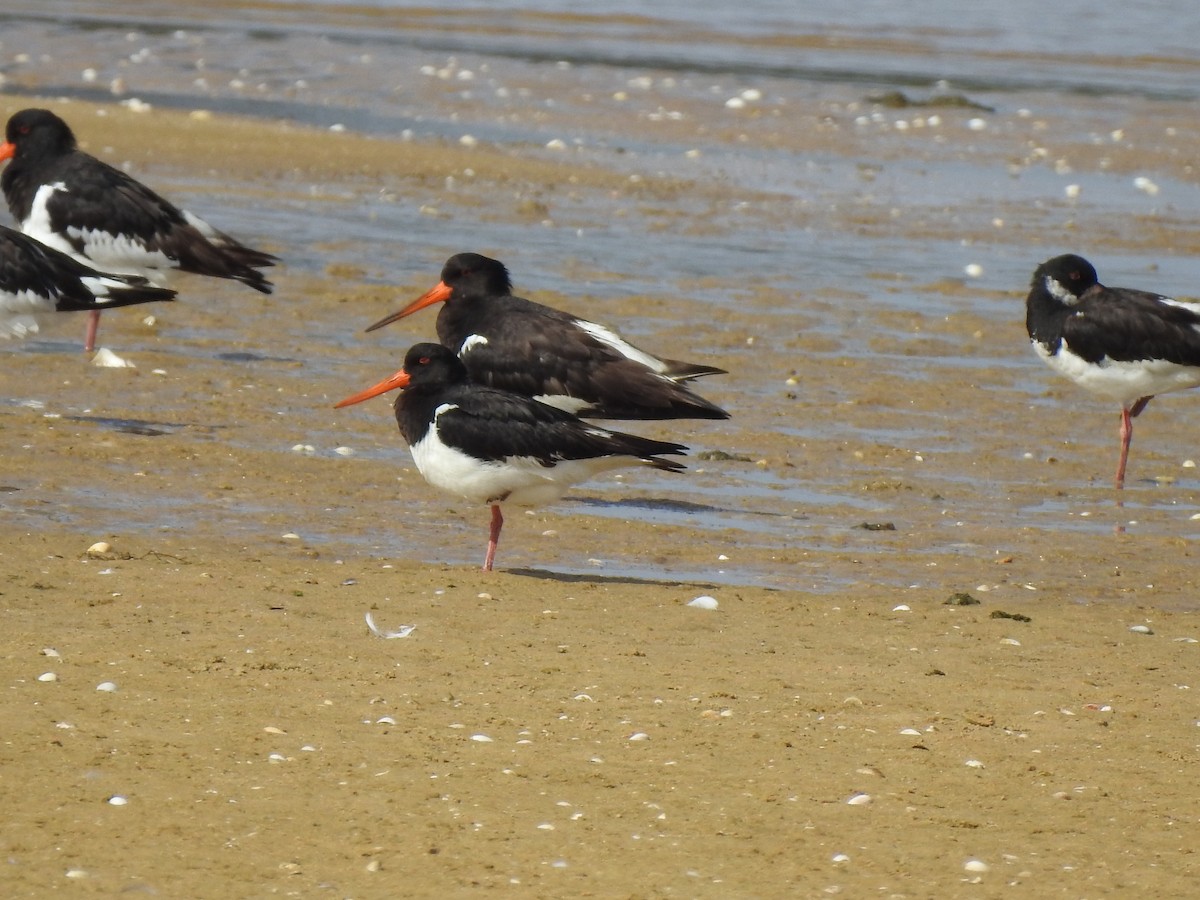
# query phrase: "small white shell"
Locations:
[[99, 548], [107, 686], [47, 676], [117, 800], [106, 359], [976, 865], [1141, 629], [704, 601], [859, 800], [481, 738]]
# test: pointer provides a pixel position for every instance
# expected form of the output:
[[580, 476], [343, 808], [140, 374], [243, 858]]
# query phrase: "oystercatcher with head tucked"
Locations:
[[493, 446], [36, 279], [75, 203], [517, 345], [1121, 343]]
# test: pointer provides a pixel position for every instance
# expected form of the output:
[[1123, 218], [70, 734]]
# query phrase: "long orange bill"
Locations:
[[434, 295], [7, 151], [399, 380]]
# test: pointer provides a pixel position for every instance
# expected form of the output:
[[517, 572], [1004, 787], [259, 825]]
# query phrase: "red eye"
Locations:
[[423, 361]]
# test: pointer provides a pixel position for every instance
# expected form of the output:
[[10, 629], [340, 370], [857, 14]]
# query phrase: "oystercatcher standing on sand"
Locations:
[[517, 345], [36, 279], [75, 203], [1120, 343], [492, 446]]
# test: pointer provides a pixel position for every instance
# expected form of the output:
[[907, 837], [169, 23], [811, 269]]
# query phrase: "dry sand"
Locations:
[[559, 735]]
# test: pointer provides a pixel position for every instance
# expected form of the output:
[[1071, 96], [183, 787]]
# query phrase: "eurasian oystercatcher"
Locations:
[[517, 345], [493, 446], [75, 203], [1120, 343], [36, 279]]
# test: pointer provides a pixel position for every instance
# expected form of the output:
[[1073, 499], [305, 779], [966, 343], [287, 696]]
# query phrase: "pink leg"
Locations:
[[1126, 436], [1127, 416], [493, 537], [89, 341]]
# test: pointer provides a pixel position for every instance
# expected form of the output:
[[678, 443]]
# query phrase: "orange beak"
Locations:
[[7, 151], [399, 380], [434, 295]]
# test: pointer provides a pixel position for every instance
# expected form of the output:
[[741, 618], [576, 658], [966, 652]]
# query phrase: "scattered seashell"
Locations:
[[76, 873], [975, 865], [859, 799], [107, 687], [271, 729], [639, 736], [1010, 641], [54, 654], [481, 738], [839, 858], [99, 548], [1141, 629], [385, 720], [304, 449], [344, 451], [911, 732], [1144, 184], [704, 601], [973, 270], [974, 764], [47, 677], [106, 359], [903, 607], [117, 800], [402, 632]]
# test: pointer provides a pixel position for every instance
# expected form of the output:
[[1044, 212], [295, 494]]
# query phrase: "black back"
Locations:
[[536, 350], [491, 424], [100, 198], [1098, 322], [28, 266]]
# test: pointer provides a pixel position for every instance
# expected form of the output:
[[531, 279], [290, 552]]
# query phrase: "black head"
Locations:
[[429, 363], [38, 132], [1069, 273], [476, 274]]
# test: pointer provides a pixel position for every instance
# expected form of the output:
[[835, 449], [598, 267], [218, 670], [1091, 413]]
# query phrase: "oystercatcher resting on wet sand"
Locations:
[[517, 345], [75, 203], [36, 279], [1120, 343], [492, 446]]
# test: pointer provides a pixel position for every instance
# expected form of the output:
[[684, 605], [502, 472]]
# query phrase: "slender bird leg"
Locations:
[[89, 341], [1127, 415], [493, 537]]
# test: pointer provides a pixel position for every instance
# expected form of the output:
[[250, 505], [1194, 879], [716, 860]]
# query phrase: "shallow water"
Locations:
[[824, 239]]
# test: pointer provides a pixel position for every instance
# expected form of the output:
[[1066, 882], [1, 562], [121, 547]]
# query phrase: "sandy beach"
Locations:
[[940, 708]]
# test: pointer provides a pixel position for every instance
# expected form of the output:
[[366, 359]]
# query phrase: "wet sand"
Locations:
[[638, 747]]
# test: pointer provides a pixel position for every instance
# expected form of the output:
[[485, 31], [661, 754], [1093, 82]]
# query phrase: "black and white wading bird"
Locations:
[[517, 345], [492, 446], [36, 280], [1120, 343], [75, 203]]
